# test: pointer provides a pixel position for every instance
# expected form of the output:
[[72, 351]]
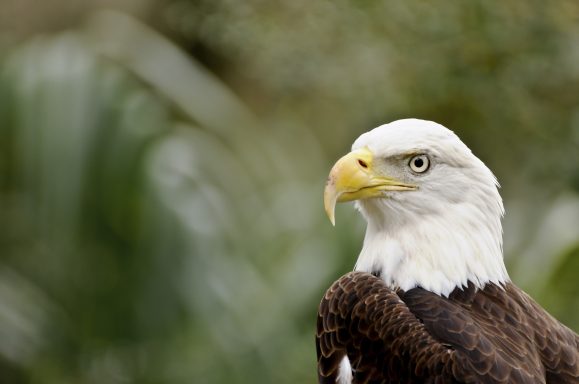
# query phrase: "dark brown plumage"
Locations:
[[492, 335]]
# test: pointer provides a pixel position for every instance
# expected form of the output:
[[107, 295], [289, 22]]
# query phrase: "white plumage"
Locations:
[[447, 231]]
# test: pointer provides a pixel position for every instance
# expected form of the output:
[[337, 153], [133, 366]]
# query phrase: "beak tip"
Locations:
[[331, 215], [330, 207]]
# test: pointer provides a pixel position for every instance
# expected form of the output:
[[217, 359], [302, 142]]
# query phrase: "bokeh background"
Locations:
[[162, 165]]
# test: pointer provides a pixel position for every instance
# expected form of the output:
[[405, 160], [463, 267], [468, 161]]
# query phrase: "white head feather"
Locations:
[[445, 233]]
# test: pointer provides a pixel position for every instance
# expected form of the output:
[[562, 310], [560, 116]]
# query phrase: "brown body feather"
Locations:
[[493, 335]]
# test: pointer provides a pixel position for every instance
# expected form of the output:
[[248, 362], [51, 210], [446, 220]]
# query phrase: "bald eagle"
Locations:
[[430, 300]]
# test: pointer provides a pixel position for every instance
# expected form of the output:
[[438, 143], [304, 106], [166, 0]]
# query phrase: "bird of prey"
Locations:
[[430, 300]]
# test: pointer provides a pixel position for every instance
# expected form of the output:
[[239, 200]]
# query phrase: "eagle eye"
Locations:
[[419, 163]]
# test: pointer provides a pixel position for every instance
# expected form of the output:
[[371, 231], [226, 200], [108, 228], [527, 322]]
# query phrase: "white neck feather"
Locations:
[[438, 251], [445, 233]]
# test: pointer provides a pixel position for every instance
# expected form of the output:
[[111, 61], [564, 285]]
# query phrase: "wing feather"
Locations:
[[495, 335], [383, 340]]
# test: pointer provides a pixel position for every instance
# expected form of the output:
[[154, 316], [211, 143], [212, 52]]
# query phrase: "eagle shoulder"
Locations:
[[361, 318], [494, 335]]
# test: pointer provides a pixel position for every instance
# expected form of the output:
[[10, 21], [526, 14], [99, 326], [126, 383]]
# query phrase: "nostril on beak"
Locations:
[[362, 163]]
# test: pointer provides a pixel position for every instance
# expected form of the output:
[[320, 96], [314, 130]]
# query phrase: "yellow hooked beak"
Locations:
[[353, 177]]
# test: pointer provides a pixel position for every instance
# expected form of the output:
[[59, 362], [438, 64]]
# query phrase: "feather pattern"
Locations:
[[490, 335]]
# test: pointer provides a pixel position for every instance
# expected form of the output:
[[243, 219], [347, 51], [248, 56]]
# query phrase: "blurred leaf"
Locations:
[[161, 175], [561, 293]]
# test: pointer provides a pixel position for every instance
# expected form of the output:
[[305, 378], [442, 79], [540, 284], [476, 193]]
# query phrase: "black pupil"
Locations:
[[418, 163]]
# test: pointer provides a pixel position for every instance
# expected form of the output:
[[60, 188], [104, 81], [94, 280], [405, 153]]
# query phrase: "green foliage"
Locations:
[[161, 226], [561, 294]]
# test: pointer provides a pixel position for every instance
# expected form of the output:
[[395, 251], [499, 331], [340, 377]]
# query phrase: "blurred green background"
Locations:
[[162, 165]]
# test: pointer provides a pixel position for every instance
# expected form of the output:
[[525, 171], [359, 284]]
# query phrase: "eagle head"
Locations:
[[432, 208]]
